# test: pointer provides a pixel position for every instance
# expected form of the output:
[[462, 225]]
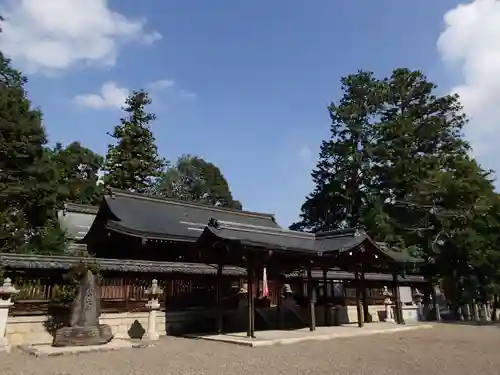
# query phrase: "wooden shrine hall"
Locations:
[[138, 227]]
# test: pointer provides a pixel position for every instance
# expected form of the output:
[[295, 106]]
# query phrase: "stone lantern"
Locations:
[[153, 305], [389, 314], [417, 298], [7, 290]]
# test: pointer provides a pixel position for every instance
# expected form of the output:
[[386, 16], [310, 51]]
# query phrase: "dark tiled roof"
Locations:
[[81, 208], [160, 218], [312, 243], [28, 261], [335, 274], [398, 256], [282, 239], [165, 219], [76, 219]]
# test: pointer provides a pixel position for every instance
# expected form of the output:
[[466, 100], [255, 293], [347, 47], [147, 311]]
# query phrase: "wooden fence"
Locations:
[[118, 294], [128, 293]]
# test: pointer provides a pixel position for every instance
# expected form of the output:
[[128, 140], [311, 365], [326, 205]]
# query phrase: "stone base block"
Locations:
[[83, 336], [4, 345], [52, 351]]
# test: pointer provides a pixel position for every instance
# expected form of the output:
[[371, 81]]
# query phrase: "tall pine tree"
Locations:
[[343, 174], [419, 134], [133, 162]]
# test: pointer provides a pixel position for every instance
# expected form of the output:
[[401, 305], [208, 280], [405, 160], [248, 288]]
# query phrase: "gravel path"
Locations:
[[444, 349]]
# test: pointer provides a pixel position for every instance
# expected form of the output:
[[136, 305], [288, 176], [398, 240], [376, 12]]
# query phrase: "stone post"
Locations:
[[417, 298], [389, 314], [6, 293], [153, 305]]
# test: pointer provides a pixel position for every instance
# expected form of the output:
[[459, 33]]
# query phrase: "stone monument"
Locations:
[[84, 329]]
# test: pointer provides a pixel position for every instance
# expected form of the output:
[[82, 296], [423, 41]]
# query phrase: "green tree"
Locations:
[[418, 134], [196, 180], [396, 164], [133, 162], [78, 169], [457, 232], [28, 188], [343, 175]]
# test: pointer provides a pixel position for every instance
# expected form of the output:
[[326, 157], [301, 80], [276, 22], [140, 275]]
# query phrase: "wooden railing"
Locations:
[[118, 294], [128, 293]]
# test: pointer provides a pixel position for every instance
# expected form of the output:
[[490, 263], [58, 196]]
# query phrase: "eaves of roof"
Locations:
[[31, 261], [335, 274]]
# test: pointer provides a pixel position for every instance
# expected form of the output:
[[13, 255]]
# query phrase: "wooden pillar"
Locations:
[[397, 299], [278, 301], [364, 298], [325, 295], [358, 300], [219, 299], [310, 295], [251, 311]]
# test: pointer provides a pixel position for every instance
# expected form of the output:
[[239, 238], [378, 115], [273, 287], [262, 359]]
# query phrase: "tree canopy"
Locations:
[[396, 165], [78, 173], [196, 180], [28, 178], [133, 162]]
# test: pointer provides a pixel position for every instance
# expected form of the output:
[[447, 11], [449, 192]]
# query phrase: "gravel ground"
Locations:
[[444, 349]]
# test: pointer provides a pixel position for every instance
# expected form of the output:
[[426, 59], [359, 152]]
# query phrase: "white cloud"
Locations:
[[55, 35], [161, 84], [111, 96], [471, 40], [152, 37]]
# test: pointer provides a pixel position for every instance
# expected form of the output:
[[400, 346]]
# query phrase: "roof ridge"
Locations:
[[80, 207], [178, 202], [261, 227], [336, 233], [265, 230]]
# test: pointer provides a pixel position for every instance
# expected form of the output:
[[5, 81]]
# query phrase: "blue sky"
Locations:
[[250, 79]]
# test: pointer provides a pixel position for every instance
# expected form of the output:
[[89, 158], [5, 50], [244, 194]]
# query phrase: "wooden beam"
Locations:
[[358, 300], [310, 295], [219, 299], [397, 299], [325, 294], [364, 298], [251, 306]]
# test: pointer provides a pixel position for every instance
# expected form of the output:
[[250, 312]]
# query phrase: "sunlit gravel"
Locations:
[[445, 349]]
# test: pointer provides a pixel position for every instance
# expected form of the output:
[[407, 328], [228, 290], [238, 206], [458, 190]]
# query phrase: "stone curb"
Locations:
[[77, 350], [295, 340]]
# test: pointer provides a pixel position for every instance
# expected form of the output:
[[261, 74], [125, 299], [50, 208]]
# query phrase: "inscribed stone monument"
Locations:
[[84, 326]]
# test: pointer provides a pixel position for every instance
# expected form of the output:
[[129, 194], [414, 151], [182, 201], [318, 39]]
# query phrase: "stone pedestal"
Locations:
[[153, 305], [410, 314], [83, 336], [6, 293], [389, 312]]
